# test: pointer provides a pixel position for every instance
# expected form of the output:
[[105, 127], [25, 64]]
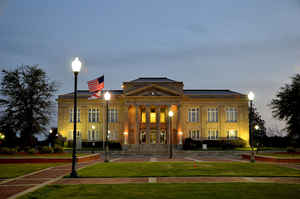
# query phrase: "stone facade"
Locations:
[[139, 114]]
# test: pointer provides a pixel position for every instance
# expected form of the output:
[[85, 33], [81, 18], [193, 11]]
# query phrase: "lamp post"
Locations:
[[76, 66], [251, 97], [170, 134], [93, 139], [107, 98]]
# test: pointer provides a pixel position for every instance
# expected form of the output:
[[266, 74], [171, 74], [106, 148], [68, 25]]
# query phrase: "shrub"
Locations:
[[190, 144], [6, 150], [32, 151], [46, 149], [291, 149], [58, 149]]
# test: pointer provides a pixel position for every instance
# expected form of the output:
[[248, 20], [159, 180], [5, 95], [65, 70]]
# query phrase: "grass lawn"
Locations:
[[140, 169], [153, 191], [48, 155], [15, 170], [278, 155]]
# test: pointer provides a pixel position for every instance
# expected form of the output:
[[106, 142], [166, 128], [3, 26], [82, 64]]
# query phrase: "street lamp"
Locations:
[[93, 139], [107, 98], [76, 66], [251, 97], [256, 127], [170, 132]]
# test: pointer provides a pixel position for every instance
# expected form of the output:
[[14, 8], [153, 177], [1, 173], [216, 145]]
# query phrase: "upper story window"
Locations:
[[152, 116], [232, 134], [162, 117], [212, 115], [194, 134], [93, 115], [213, 134], [143, 117], [193, 115], [71, 115], [231, 114], [112, 115]]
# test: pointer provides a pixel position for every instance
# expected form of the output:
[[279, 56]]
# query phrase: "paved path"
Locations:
[[292, 180], [12, 188]]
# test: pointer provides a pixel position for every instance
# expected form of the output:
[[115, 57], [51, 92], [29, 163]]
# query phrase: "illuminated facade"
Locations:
[[138, 114]]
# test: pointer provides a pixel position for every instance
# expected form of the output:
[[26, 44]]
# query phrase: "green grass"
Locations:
[[15, 170], [49, 155], [169, 191], [145, 169], [278, 155]]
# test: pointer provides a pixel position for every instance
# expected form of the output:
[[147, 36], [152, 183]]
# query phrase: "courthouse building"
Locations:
[[138, 114]]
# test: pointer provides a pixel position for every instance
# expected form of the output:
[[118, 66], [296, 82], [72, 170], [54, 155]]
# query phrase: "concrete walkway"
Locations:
[[291, 180]]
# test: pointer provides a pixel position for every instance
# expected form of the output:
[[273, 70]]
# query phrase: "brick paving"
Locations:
[[12, 187]]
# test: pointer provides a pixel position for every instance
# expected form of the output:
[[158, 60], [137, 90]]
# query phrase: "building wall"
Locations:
[[127, 117]]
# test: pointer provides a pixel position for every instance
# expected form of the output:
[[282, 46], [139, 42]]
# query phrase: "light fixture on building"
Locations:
[[93, 127]]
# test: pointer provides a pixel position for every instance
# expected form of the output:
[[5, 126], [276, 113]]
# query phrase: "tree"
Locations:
[[27, 102], [260, 133], [286, 106]]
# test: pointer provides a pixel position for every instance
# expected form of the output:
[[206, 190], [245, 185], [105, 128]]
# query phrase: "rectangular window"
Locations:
[[162, 117], [143, 117], [232, 134], [193, 115], [212, 115], [213, 134], [71, 115], [93, 115], [152, 117], [231, 114], [112, 115], [194, 134]]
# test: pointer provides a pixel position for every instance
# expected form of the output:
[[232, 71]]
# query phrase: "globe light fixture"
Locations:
[[107, 96], [50, 131], [76, 65], [251, 96], [256, 127], [93, 127], [171, 113]]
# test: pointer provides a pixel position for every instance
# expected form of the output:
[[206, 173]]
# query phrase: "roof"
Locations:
[[210, 92], [153, 79], [86, 92]]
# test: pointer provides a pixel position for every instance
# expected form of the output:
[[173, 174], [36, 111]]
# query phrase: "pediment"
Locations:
[[153, 90]]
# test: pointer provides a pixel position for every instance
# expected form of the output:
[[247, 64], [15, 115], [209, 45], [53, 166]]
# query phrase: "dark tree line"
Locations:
[[26, 104]]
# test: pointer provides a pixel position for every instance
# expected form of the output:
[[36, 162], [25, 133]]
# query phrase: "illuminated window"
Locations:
[[152, 116], [162, 118], [143, 117], [232, 134], [213, 134]]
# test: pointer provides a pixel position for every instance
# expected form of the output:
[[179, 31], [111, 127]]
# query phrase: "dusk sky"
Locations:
[[238, 45]]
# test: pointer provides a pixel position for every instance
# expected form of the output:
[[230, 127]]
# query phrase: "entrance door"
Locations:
[[153, 135], [163, 137]]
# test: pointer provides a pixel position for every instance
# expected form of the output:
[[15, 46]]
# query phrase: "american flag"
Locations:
[[95, 95], [96, 84]]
